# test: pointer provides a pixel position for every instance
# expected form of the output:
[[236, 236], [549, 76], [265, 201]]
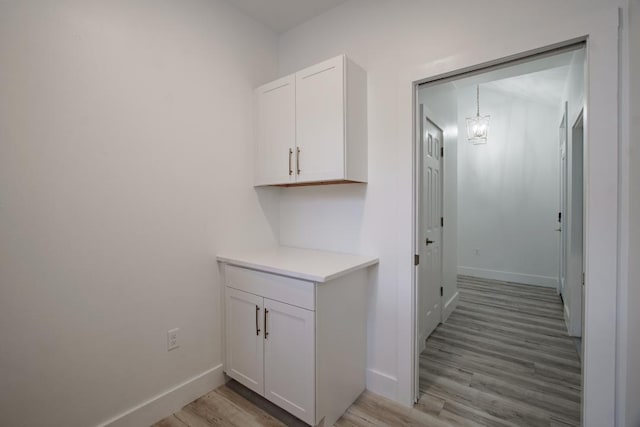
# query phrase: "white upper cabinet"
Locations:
[[275, 132], [326, 106]]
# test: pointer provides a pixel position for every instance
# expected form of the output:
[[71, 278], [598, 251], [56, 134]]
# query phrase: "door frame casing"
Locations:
[[601, 139], [575, 227]]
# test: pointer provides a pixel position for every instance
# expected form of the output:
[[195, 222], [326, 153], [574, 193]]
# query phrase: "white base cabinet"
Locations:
[[300, 344]]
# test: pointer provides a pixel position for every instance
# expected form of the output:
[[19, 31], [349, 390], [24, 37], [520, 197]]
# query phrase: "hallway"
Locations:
[[502, 358]]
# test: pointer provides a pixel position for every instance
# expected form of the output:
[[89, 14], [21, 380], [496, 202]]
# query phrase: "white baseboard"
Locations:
[[383, 384], [422, 343], [567, 316], [507, 276], [169, 401], [449, 306]]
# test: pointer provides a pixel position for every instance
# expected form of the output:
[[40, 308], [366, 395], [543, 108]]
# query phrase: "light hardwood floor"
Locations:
[[503, 358]]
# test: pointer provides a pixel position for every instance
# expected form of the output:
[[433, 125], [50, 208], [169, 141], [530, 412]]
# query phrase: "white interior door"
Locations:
[[430, 220], [244, 340], [289, 358], [562, 210]]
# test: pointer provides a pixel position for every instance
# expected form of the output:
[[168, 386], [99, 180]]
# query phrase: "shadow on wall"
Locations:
[[323, 217], [269, 200]]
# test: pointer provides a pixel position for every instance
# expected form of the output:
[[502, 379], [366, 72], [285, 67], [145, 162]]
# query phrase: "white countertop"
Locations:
[[306, 264]]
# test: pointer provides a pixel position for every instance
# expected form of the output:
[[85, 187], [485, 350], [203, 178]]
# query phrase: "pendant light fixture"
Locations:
[[478, 126]]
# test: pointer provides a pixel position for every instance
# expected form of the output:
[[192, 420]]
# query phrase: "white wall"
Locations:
[[508, 189], [392, 40], [124, 165]]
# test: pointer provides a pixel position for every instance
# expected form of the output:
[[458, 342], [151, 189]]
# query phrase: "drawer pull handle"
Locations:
[[257, 314], [298, 160], [266, 333]]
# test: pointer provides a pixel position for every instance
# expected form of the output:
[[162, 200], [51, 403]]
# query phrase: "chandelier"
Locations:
[[478, 126]]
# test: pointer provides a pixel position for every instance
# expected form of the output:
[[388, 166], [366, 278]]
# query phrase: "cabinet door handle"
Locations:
[[290, 168], [257, 326], [298, 160], [266, 333]]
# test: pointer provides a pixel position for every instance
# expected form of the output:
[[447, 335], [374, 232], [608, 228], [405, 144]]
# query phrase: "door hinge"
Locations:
[[441, 291], [441, 221], [416, 259], [582, 279], [442, 151]]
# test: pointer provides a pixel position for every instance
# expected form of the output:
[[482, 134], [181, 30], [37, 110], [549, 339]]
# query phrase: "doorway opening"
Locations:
[[499, 241]]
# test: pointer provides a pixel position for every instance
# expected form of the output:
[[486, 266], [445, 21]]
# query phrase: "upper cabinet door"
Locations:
[[320, 122], [275, 132]]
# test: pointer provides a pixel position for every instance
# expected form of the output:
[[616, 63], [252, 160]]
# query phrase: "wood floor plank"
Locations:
[[544, 302], [506, 290], [526, 336], [531, 381], [495, 405], [554, 404], [170, 421], [551, 372], [494, 355], [563, 423], [190, 419], [460, 415], [518, 299], [217, 409], [537, 317], [430, 404], [382, 411], [496, 320], [500, 347], [503, 285], [265, 409], [563, 351]]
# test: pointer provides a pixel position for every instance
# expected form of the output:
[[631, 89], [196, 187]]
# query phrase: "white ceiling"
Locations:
[[545, 86], [283, 15], [541, 79]]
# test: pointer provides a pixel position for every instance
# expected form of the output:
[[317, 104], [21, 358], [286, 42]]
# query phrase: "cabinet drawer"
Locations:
[[279, 288]]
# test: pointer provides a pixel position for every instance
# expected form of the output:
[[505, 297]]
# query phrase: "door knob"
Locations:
[[429, 241]]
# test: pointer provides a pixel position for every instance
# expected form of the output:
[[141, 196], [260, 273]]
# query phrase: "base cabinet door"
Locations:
[[244, 338], [289, 359]]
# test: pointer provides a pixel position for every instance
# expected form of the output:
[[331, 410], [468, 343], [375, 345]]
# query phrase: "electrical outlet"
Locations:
[[172, 339]]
